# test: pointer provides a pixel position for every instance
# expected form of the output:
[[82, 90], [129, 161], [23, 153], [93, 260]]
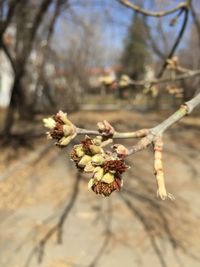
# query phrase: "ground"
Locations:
[[130, 228]]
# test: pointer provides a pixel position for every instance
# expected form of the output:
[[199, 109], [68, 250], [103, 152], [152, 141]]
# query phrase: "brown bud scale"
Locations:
[[115, 165], [57, 132], [101, 188], [87, 142]]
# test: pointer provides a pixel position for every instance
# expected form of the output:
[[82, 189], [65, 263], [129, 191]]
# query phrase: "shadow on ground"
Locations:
[[50, 219]]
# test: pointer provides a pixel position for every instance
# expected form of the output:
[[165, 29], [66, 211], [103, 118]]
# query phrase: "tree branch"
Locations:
[[182, 7], [144, 12], [149, 134], [177, 41], [188, 75], [185, 109], [10, 13], [196, 21], [8, 54]]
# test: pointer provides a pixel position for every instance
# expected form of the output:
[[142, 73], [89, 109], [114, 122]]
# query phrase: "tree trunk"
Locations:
[[15, 102]]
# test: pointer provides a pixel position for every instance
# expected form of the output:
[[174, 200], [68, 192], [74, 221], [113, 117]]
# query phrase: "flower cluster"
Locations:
[[106, 167], [61, 128]]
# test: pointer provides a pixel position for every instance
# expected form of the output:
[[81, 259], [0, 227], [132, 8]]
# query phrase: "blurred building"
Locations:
[[102, 77], [38, 68], [6, 72]]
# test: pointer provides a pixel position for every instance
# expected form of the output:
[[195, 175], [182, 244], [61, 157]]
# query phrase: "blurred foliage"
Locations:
[[135, 52]]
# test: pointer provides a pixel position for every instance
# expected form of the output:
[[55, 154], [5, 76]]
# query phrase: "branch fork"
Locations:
[[91, 157]]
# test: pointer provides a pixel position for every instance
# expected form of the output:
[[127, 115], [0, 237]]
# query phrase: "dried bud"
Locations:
[[103, 188], [116, 165], [86, 143], [105, 128], [98, 159], [84, 161]]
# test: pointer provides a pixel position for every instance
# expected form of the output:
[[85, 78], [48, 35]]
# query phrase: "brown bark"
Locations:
[[17, 97]]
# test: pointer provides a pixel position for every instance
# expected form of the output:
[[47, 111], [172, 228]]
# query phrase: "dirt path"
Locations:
[[131, 228]]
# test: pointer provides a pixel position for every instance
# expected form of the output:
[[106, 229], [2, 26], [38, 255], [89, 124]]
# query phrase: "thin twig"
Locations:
[[150, 134], [185, 109], [177, 41], [144, 12], [196, 21], [117, 135], [190, 74]]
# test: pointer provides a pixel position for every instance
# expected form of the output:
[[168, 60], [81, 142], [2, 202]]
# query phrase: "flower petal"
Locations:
[[90, 183], [49, 123]]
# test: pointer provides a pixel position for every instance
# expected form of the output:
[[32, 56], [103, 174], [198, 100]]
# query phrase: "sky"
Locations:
[[111, 20]]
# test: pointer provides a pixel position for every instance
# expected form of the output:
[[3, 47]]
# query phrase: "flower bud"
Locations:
[[105, 128], [95, 149], [62, 130], [64, 141], [98, 159], [121, 150], [68, 130], [79, 151], [101, 126], [97, 140], [98, 173], [104, 188], [63, 117], [89, 167], [108, 178], [84, 161]]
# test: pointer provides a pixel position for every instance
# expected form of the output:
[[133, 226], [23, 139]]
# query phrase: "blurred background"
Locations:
[[83, 57]]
